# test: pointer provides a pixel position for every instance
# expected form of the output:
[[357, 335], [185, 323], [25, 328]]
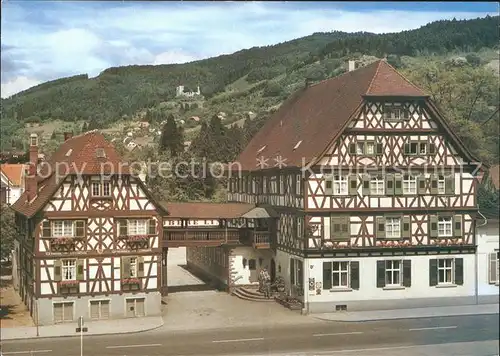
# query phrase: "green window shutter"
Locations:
[[80, 228], [327, 275], [407, 149], [492, 268], [449, 184], [354, 274], [406, 273], [57, 271], [345, 223], [421, 184], [123, 228], [79, 270], [406, 112], [366, 185], [140, 266], [457, 226], [335, 227], [328, 185], [352, 149], [380, 227], [406, 227], [433, 226], [389, 184], [433, 272], [380, 274], [46, 229], [125, 267], [292, 270], [152, 227], [434, 184], [379, 149], [398, 184], [353, 184], [432, 149], [459, 271]]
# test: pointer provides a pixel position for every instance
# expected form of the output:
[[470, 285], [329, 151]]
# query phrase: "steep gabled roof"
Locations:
[[14, 173], [307, 122], [86, 154]]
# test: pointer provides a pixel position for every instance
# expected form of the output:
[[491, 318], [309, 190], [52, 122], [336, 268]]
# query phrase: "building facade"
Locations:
[[90, 236], [376, 196], [11, 182]]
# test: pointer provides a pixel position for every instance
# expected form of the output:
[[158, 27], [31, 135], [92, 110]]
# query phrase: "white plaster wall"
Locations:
[[14, 195], [368, 280], [487, 242], [283, 263], [241, 274]]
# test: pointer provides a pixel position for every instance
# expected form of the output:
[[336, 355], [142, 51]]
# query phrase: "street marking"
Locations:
[[435, 328], [239, 340], [334, 334], [26, 352], [130, 346]]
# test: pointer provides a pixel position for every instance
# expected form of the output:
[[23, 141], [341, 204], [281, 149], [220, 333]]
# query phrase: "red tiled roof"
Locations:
[[315, 115], [207, 210], [14, 173], [494, 173], [77, 155]]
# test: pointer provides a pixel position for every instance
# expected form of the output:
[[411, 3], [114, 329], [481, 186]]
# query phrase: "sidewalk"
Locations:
[[415, 313], [104, 327]]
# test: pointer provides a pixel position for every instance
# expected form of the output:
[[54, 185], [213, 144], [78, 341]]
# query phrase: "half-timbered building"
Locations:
[[89, 242], [375, 194]]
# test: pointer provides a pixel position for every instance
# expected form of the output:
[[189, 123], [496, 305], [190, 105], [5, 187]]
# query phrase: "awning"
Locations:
[[260, 213]]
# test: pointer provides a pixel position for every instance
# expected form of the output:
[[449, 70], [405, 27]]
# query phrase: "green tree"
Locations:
[[171, 138], [8, 231]]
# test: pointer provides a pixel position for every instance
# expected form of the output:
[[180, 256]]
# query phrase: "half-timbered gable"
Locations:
[[382, 175], [95, 231]]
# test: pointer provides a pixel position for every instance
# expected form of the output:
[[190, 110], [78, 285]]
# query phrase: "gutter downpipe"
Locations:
[[476, 269]]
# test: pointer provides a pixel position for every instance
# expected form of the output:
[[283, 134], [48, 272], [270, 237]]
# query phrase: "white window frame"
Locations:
[[445, 226], [68, 270], [446, 265], [63, 228], [343, 270], [422, 148], [101, 188], [340, 185], [392, 228], [133, 267], [138, 227], [393, 271], [441, 184], [298, 184], [369, 148], [396, 111], [360, 148], [409, 185], [377, 186]]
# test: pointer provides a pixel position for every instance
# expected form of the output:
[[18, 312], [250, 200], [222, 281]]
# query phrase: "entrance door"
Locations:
[[273, 270]]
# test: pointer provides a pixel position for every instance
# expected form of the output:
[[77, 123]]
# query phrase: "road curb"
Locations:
[[403, 317], [86, 334]]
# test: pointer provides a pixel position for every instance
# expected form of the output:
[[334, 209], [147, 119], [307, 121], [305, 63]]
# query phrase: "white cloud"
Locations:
[[19, 84], [62, 39]]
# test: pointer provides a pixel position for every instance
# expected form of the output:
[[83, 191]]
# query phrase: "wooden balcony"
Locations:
[[175, 237], [260, 239]]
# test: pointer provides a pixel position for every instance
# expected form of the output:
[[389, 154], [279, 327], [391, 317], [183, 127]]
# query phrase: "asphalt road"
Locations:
[[324, 338]]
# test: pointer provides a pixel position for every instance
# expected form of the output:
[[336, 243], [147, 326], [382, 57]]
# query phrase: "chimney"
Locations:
[[30, 179], [68, 135], [352, 65]]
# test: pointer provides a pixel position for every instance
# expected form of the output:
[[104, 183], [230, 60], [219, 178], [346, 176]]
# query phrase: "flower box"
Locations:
[[68, 283], [138, 238], [131, 281]]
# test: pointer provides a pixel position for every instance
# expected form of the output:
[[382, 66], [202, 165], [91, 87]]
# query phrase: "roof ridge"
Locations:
[[342, 75], [374, 76]]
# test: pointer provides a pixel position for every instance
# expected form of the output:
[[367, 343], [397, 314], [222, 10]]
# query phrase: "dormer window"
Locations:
[[99, 152], [395, 112]]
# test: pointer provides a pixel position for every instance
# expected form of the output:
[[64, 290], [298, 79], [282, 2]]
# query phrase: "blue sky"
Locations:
[[44, 40]]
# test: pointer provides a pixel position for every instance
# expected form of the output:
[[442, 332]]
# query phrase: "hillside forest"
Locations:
[[455, 62]]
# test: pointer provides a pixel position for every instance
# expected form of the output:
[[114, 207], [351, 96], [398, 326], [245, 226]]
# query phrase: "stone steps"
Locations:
[[251, 294]]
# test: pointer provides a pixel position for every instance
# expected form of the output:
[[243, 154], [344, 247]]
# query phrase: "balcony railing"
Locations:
[[196, 236], [260, 239]]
